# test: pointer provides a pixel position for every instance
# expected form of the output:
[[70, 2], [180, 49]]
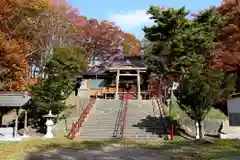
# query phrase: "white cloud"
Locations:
[[130, 19]]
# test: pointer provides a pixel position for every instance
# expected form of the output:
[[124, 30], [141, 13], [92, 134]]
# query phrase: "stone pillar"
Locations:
[[138, 85], [16, 123], [117, 84], [25, 134]]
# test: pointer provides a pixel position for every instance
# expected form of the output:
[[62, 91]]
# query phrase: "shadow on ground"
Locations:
[[182, 150], [155, 125], [114, 154]]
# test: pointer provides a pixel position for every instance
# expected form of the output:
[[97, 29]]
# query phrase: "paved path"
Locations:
[[111, 152]]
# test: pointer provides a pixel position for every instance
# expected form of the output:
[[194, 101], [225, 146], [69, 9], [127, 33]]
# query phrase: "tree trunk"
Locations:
[[200, 129]]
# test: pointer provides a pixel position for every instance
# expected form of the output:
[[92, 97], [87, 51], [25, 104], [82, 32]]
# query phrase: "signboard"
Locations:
[[84, 84]]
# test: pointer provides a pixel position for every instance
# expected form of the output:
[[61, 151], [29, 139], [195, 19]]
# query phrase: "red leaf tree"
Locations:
[[226, 54], [106, 39]]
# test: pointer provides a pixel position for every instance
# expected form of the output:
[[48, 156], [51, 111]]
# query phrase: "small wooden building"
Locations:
[[10, 101]]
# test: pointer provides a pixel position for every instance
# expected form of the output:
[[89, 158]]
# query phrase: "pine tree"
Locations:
[[61, 70], [185, 46]]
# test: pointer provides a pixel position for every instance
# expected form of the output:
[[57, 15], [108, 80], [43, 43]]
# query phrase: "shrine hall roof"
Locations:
[[134, 61]]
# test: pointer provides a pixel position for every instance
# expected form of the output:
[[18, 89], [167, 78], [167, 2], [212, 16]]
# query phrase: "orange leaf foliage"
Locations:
[[99, 37], [102, 37], [14, 47], [13, 57], [30, 27], [131, 45]]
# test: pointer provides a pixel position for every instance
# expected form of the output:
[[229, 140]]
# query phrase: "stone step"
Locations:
[[96, 135], [103, 117], [94, 138], [102, 125], [141, 135], [146, 130], [98, 127], [98, 124], [101, 121], [93, 132], [125, 136], [138, 131]]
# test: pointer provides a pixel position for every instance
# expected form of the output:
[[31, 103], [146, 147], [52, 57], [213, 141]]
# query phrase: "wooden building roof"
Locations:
[[14, 99], [102, 69], [134, 61]]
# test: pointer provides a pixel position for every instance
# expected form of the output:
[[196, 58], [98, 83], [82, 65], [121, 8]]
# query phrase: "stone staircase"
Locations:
[[142, 122], [100, 122], [69, 116]]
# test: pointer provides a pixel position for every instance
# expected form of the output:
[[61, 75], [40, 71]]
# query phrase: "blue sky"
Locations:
[[130, 14]]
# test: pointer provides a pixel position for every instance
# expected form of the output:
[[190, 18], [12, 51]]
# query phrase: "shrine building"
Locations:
[[126, 74]]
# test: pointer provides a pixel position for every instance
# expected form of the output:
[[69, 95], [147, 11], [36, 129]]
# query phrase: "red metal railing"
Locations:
[[126, 97], [78, 124]]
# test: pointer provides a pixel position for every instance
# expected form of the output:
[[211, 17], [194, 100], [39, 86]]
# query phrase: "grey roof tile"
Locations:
[[13, 99]]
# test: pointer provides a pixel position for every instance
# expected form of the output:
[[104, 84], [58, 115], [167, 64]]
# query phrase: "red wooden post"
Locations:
[[73, 131]]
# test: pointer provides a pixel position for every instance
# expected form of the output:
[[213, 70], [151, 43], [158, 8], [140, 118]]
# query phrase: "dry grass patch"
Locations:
[[12, 150], [202, 150], [177, 150]]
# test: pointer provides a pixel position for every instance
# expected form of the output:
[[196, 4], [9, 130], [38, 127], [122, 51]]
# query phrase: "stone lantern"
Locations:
[[49, 123]]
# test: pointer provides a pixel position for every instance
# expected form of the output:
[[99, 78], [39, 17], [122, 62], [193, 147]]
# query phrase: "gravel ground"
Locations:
[[111, 152]]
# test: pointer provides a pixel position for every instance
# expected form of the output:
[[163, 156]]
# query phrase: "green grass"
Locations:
[[216, 114], [177, 150], [178, 113]]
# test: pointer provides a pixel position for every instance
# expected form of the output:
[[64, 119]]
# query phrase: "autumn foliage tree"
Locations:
[[31, 29], [99, 37], [14, 46], [226, 54], [131, 45], [105, 39], [53, 27]]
